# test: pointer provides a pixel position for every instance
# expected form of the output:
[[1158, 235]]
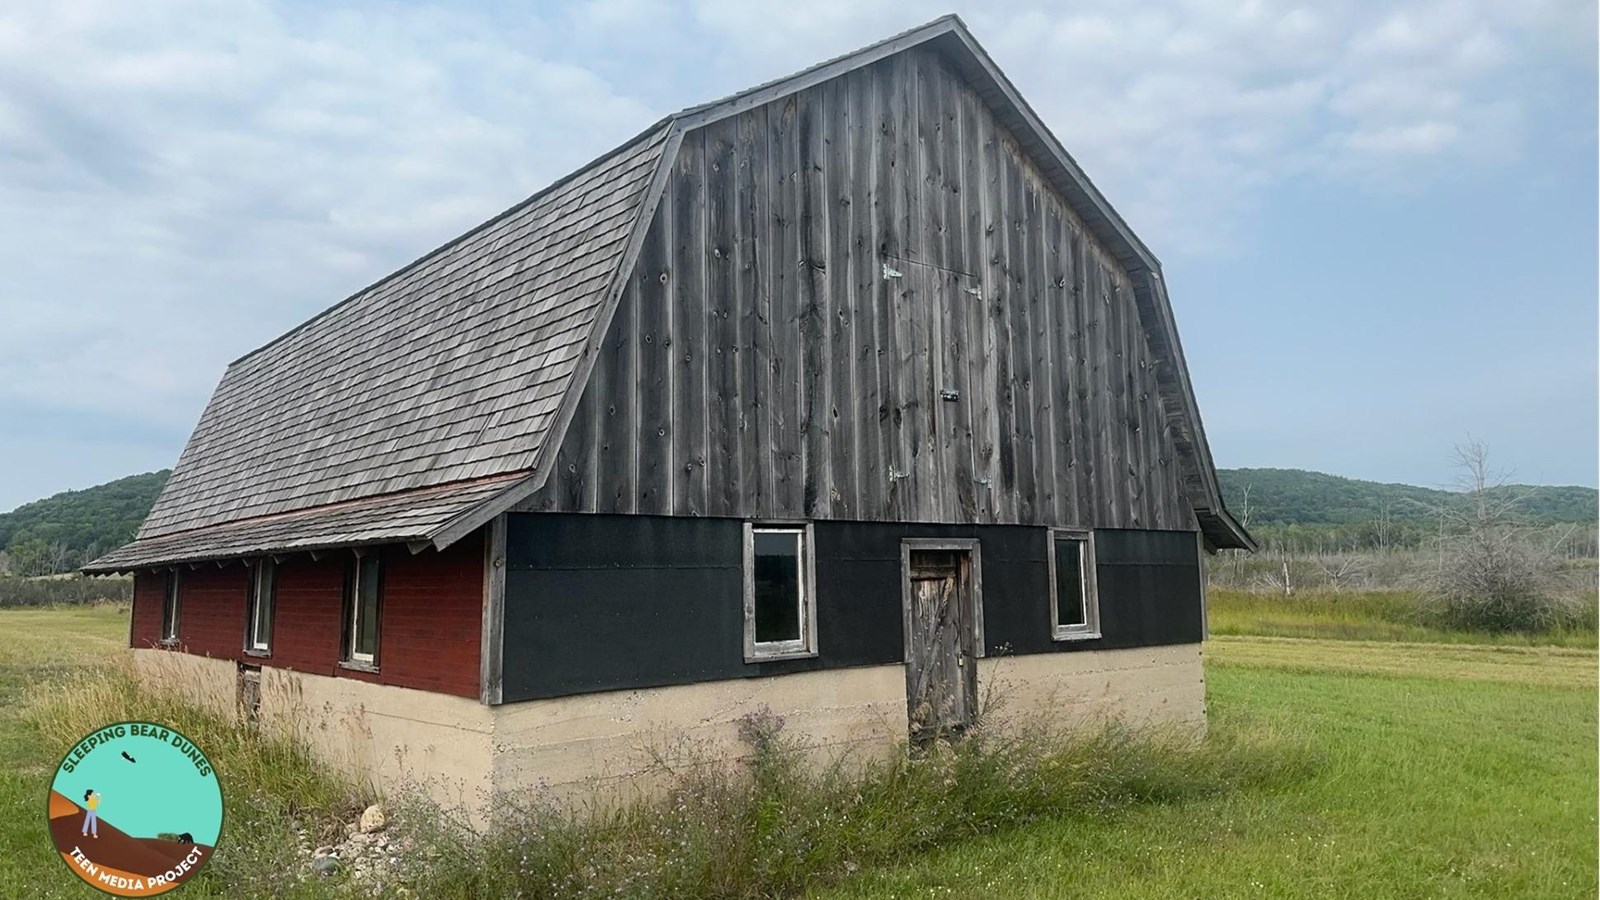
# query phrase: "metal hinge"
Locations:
[[948, 394]]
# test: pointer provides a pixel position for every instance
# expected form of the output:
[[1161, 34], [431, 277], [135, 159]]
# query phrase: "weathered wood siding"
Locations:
[[862, 302]]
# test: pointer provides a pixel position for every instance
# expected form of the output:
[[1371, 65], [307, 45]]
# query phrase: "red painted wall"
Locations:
[[428, 630], [145, 629]]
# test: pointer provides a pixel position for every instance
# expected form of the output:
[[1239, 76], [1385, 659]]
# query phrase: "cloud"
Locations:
[[180, 180], [1186, 111]]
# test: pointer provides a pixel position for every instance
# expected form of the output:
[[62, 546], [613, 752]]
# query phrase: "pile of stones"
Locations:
[[369, 853]]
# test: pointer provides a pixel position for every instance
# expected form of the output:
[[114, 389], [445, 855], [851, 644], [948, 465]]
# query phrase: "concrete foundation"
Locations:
[[608, 745], [1141, 686], [607, 741], [211, 684], [386, 735]]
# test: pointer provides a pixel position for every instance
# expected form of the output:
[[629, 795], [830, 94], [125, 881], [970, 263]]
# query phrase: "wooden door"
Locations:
[[941, 665]]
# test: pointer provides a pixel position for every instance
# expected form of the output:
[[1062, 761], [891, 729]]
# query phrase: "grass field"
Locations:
[[39, 645], [1446, 771], [1441, 769], [1389, 615]]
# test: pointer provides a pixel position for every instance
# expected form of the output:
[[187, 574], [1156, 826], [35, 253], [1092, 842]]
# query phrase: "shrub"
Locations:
[[15, 591], [1495, 573]]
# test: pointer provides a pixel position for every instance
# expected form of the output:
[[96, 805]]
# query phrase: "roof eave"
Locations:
[[98, 567], [1223, 532]]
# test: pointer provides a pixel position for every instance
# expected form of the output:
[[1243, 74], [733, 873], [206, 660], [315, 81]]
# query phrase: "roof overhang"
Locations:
[[427, 517], [1223, 532]]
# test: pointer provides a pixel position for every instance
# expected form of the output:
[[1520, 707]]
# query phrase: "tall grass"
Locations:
[[778, 823], [1378, 615], [272, 786]]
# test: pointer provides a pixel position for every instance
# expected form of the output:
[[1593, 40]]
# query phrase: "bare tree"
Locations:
[[58, 556], [1341, 569], [1494, 571], [1244, 520]]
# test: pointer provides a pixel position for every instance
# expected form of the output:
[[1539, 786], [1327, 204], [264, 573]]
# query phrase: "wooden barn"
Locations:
[[844, 396]]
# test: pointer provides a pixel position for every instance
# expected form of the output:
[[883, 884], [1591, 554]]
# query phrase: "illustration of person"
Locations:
[[91, 822]]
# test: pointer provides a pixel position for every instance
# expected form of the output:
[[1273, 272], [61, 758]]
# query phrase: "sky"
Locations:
[[1377, 220]]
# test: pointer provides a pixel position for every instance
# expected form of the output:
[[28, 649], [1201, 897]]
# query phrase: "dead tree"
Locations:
[[1494, 571]]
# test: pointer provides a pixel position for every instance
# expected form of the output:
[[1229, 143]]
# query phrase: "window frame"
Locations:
[[1089, 629], [255, 644], [171, 607], [806, 645], [349, 657]]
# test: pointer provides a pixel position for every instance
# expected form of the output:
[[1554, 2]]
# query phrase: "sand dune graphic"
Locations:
[[120, 853]]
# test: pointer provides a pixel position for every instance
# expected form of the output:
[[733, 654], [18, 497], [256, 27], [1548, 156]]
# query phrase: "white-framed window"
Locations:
[[263, 597], [169, 607], [780, 605], [1074, 598], [363, 597]]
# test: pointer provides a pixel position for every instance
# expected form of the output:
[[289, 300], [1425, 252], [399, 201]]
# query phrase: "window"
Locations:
[[169, 609], [363, 593], [1075, 604], [263, 587], [779, 603]]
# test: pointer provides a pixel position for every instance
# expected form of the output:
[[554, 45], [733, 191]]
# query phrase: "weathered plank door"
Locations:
[[941, 641]]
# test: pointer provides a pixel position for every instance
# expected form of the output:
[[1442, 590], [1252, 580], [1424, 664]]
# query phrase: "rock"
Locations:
[[325, 866], [324, 850], [373, 819], [351, 827]]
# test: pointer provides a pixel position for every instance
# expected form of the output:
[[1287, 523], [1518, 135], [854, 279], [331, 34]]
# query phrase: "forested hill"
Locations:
[[1281, 497], [64, 531]]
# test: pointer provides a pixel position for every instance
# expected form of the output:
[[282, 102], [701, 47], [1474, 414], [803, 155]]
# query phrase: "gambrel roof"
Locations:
[[424, 405]]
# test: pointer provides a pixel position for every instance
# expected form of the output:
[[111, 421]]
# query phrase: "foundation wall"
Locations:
[[1141, 686], [209, 683], [607, 741], [386, 736], [606, 746]]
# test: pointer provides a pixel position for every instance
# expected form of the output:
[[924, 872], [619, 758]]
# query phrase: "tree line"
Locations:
[[64, 531]]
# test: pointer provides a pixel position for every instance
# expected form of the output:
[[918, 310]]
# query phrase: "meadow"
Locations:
[[1346, 758]]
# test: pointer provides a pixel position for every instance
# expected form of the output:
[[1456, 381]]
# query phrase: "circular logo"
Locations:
[[135, 809]]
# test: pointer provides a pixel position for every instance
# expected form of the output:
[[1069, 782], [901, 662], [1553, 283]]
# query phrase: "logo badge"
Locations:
[[135, 809]]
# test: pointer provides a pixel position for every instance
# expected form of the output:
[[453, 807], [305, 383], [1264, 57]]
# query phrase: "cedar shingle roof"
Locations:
[[444, 373], [412, 516], [458, 369], [448, 370]]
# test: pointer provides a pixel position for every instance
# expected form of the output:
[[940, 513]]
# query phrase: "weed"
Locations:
[[779, 821]]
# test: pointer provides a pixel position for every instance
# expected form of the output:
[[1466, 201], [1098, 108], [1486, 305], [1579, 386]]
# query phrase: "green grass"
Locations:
[[1430, 768], [64, 670], [1360, 616], [38, 645], [1440, 777]]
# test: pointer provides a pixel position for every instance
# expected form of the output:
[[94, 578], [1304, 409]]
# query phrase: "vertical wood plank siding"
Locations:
[[865, 302]]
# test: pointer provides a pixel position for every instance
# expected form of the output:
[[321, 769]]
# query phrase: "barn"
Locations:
[[847, 396]]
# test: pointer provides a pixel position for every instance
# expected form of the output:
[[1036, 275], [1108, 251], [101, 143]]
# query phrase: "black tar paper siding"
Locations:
[[601, 602]]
